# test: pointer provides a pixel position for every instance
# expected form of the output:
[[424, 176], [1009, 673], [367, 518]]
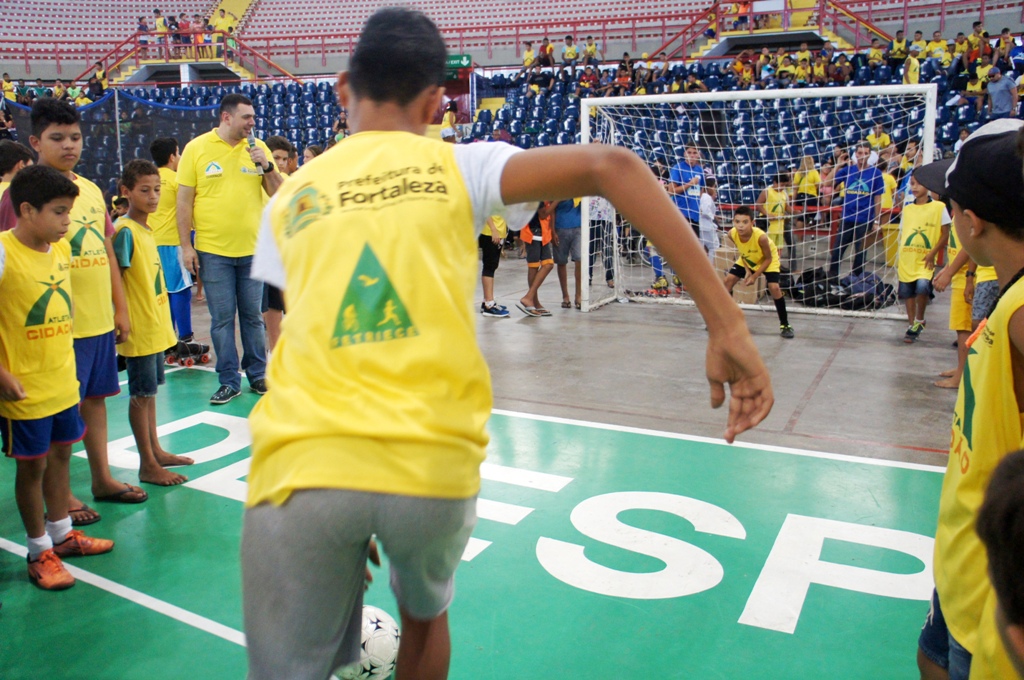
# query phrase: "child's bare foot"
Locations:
[[118, 492], [169, 460], [949, 383], [161, 477], [81, 514], [948, 374]]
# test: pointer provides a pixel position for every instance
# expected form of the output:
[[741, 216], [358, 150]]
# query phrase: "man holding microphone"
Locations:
[[221, 178]]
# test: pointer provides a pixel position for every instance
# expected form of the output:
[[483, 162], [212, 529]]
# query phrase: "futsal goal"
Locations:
[[749, 141]]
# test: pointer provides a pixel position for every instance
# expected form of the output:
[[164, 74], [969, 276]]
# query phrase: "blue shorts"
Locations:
[[96, 363], [176, 276], [32, 438], [909, 289], [937, 643], [144, 374], [985, 295]]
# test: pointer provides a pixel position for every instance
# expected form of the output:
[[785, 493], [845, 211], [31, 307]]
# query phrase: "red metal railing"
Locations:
[[265, 53]]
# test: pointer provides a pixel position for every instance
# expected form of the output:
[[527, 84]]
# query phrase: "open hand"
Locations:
[[732, 358]]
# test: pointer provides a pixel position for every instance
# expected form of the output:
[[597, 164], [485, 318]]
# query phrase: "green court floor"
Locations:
[[601, 552]]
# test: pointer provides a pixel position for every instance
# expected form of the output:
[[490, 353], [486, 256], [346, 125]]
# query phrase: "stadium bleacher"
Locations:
[[95, 19]]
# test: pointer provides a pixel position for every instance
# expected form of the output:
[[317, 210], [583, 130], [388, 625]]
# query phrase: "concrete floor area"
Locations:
[[843, 385]]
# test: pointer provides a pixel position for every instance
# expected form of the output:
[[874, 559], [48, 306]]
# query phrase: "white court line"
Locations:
[[147, 601], [881, 462], [542, 481], [474, 547], [505, 513]]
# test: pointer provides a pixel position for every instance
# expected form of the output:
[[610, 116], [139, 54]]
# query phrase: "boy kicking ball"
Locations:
[[759, 256], [39, 398], [375, 424], [149, 312]]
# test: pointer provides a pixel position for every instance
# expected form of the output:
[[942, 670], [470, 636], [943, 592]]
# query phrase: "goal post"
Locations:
[[747, 140]]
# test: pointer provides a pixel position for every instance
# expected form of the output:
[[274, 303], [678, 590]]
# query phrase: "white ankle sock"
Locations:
[[58, 531], [37, 546]]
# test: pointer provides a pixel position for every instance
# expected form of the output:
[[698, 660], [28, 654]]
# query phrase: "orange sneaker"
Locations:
[[48, 572], [78, 544]]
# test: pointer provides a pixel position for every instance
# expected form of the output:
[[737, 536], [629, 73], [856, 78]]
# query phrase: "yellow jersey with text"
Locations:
[[590, 50], [982, 72], [148, 308], [164, 222], [875, 55], [229, 194], [377, 383], [959, 280], [911, 71], [571, 51], [899, 49], [960, 47], [922, 45], [920, 230], [935, 48], [986, 427], [36, 345], [775, 201], [528, 57], [801, 55], [90, 267], [750, 250]]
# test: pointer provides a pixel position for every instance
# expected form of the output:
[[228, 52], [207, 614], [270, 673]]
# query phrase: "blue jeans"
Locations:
[[229, 289], [850, 234]]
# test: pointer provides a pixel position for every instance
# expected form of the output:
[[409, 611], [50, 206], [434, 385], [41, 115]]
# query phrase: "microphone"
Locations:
[[252, 145]]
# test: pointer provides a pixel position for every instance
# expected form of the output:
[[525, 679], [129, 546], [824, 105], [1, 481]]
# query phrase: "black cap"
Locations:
[[987, 175]]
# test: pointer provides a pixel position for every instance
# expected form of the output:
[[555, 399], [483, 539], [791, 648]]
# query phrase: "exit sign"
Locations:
[[458, 61]]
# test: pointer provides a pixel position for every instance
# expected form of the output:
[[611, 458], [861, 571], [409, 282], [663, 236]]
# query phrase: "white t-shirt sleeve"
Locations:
[[266, 262], [945, 216], [482, 165]]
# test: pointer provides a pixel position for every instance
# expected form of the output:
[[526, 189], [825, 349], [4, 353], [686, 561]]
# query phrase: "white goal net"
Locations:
[[776, 151]]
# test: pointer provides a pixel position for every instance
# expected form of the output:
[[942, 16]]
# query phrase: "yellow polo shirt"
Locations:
[[229, 194]]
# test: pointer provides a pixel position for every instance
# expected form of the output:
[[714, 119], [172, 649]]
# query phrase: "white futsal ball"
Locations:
[[379, 647]]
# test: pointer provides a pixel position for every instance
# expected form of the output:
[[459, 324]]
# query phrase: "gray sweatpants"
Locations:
[[303, 570]]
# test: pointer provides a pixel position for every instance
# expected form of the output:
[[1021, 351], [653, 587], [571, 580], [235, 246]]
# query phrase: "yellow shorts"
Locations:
[[779, 239], [959, 311]]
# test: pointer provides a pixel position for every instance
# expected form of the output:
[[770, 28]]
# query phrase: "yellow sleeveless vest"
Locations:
[[90, 269], [959, 280], [35, 329], [920, 230], [775, 204], [148, 309], [377, 383], [986, 426], [750, 252]]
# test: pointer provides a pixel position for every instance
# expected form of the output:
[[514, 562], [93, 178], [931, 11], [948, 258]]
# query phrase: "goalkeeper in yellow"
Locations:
[[379, 396], [758, 256]]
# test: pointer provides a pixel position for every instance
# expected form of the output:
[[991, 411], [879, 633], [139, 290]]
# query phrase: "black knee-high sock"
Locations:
[[780, 309]]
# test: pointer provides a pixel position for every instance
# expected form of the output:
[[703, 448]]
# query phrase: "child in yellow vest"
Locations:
[[758, 256], [773, 203], [961, 633], [920, 241], [150, 313], [39, 419], [954, 276], [374, 422], [101, 318]]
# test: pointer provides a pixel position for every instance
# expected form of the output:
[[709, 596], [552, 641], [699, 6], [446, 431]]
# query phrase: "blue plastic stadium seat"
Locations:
[[551, 126], [770, 170], [742, 154], [308, 98], [524, 141], [291, 98], [569, 125], [292, 88], [543, 139], [309, 121], [485, 116], [748, 194], [745, 173], [187, 92], [261, 123], [248, 90], [154, 95], [515, 128], [563, 138], [572, 112], [277, 110], [323, 86]]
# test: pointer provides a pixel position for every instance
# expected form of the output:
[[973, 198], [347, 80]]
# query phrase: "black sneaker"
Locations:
[[787, 332], [224, 395], [258, 386]]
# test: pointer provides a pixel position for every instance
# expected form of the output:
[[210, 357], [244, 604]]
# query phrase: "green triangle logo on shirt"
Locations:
[[914, 234], [371, 310], [158, 283]]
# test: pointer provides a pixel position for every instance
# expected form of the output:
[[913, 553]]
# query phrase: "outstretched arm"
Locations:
[[622, 178]]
